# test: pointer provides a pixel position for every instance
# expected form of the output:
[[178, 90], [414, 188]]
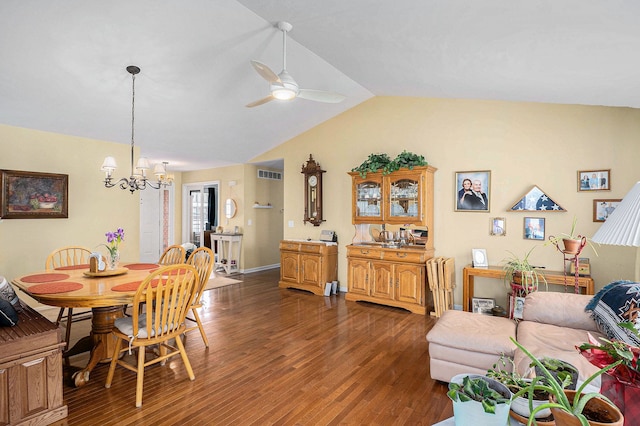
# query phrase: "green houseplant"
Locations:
[[377, 162], [521, 405], [520, 272], [479, 400], [571, 407], [572, 242]]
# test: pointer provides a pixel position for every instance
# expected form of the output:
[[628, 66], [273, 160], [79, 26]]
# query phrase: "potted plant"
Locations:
[[376, 162], [569, 407], [572, 242], [565, 373], [521, 273], [521, 405], [479, 400]]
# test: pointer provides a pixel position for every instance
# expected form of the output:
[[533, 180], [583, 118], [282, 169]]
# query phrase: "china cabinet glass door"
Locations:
[[404, 200], [368, 194]]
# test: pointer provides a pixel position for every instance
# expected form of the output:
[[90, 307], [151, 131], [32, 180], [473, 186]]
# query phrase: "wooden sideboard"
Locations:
[[553, 277], [31, 371], [388, 276], [308, 265]]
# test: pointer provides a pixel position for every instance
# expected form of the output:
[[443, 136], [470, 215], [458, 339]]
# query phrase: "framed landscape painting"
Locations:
[[33, 195]]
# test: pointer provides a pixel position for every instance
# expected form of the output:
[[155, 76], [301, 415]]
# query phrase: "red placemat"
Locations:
[[57, 287], [141, 266], [71, 267], [44, 278], [132, 286]]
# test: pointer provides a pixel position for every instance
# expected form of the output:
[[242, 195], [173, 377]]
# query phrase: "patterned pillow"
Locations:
[[8, 293], [8, 315], [617, 302]]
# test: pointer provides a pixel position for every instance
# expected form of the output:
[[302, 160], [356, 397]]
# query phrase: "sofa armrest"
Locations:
[[561, 309]]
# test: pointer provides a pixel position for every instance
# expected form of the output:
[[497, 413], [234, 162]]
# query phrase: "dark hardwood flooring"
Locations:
[[279, 356]]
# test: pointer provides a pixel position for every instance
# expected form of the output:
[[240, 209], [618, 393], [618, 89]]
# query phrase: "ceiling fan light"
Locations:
[[284, 94]]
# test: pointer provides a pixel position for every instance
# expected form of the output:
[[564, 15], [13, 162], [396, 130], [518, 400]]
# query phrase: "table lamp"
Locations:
[[622, 227]]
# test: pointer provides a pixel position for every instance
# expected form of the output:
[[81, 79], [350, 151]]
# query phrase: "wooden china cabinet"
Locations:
[[392, 275]]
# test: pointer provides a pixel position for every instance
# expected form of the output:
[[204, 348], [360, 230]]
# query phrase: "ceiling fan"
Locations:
[[282, 86]]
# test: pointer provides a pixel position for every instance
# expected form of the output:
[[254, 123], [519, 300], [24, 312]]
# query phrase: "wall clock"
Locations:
[[312, 192]]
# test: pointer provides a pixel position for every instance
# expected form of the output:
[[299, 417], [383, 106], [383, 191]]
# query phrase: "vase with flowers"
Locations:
[[113, 245]]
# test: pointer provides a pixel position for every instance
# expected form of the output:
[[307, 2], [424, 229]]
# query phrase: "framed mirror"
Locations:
[[229, 208]]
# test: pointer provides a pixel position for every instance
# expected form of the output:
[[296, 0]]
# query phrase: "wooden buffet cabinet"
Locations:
[[385, 275], [308, 265]]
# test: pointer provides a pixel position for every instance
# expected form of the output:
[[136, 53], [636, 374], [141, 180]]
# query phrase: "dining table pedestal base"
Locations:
[[100, 342]]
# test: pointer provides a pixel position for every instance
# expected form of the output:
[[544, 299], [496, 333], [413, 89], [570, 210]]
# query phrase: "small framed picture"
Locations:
[[480, 305], [518, 308], [479, 258], [473, 191], [498, 226], [594, 180], [602, 209], [533, 228]]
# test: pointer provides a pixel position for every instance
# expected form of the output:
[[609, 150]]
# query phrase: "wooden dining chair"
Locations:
[[167, 294], [173, 255], [202, 260], [65, 257]]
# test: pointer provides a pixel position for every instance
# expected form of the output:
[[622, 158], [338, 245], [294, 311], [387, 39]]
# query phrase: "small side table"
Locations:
[[227, 252]]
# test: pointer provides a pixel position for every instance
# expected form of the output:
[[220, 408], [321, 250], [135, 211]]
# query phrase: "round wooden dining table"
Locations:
[[104, 292]]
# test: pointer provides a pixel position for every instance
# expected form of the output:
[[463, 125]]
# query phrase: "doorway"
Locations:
[[201, 211]]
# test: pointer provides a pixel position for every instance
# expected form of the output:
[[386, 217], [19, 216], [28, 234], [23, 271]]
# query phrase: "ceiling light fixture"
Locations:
[[138, 180]]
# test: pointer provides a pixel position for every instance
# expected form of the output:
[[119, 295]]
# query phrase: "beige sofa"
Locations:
[[552, 325]]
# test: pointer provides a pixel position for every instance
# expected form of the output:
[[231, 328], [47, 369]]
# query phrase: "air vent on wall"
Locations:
[[268, 174]]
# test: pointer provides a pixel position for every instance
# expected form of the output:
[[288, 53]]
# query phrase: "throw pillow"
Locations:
[[617, 302], [8, 293], [8, 315]]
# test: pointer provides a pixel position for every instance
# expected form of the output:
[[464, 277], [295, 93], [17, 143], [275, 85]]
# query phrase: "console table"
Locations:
[[553, 277], [225, 254]]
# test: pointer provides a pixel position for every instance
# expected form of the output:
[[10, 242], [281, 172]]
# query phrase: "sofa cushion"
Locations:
[[554, 342], [474, 332], [561, 309], [617, 302]]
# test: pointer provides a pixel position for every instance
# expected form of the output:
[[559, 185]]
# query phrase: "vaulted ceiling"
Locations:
[[63, 64]]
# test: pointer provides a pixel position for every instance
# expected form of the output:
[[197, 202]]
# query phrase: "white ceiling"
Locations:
[[63, 64]]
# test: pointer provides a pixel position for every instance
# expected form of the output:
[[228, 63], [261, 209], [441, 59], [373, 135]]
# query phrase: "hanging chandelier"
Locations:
[[137, 180]]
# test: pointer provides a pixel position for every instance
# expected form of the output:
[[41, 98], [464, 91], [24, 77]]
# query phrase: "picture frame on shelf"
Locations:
[[479, 258], [498, 226], [533, 228], [602, 209], [33, 195], [594, 180], [482, 305], [518, 307], [472, 191]]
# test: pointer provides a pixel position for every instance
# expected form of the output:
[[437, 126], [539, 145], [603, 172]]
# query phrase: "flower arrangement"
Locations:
[[113, 244]]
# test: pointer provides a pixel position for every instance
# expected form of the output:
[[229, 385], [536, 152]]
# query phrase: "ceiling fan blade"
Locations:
[[321, 96], [260, 101], [265, 72]]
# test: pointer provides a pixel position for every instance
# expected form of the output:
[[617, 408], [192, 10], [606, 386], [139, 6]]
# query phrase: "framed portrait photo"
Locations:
[[602, 209], [33, 195], [498, 226], [533, 228], [480, 305], [472, 191], [479, 258], [594, 180]]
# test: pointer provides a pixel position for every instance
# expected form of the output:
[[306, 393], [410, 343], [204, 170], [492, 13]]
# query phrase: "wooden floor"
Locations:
[[280, 356]]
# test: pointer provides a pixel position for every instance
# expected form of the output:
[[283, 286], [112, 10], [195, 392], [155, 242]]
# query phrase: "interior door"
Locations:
[[156, 222], [196, 213]]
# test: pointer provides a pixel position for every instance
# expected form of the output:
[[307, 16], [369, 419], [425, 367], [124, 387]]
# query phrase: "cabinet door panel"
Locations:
[[289, 266], [311, 267], [382, 280], [409, 281], [359, 276]]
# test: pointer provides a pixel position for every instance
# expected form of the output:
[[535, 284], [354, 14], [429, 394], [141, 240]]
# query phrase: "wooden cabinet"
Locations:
[[389, 276], [308, 265], [31, 371], [402, 197]]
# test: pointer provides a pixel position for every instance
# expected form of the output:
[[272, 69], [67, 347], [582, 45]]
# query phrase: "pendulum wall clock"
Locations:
[[312, 192]]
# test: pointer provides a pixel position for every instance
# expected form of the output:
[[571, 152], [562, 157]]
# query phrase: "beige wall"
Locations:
[[523, 144], [261, 228], [93, 209]]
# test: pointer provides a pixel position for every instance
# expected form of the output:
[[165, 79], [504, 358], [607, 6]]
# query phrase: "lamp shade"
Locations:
[[109, 164], [143, 164], [622, 227]]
